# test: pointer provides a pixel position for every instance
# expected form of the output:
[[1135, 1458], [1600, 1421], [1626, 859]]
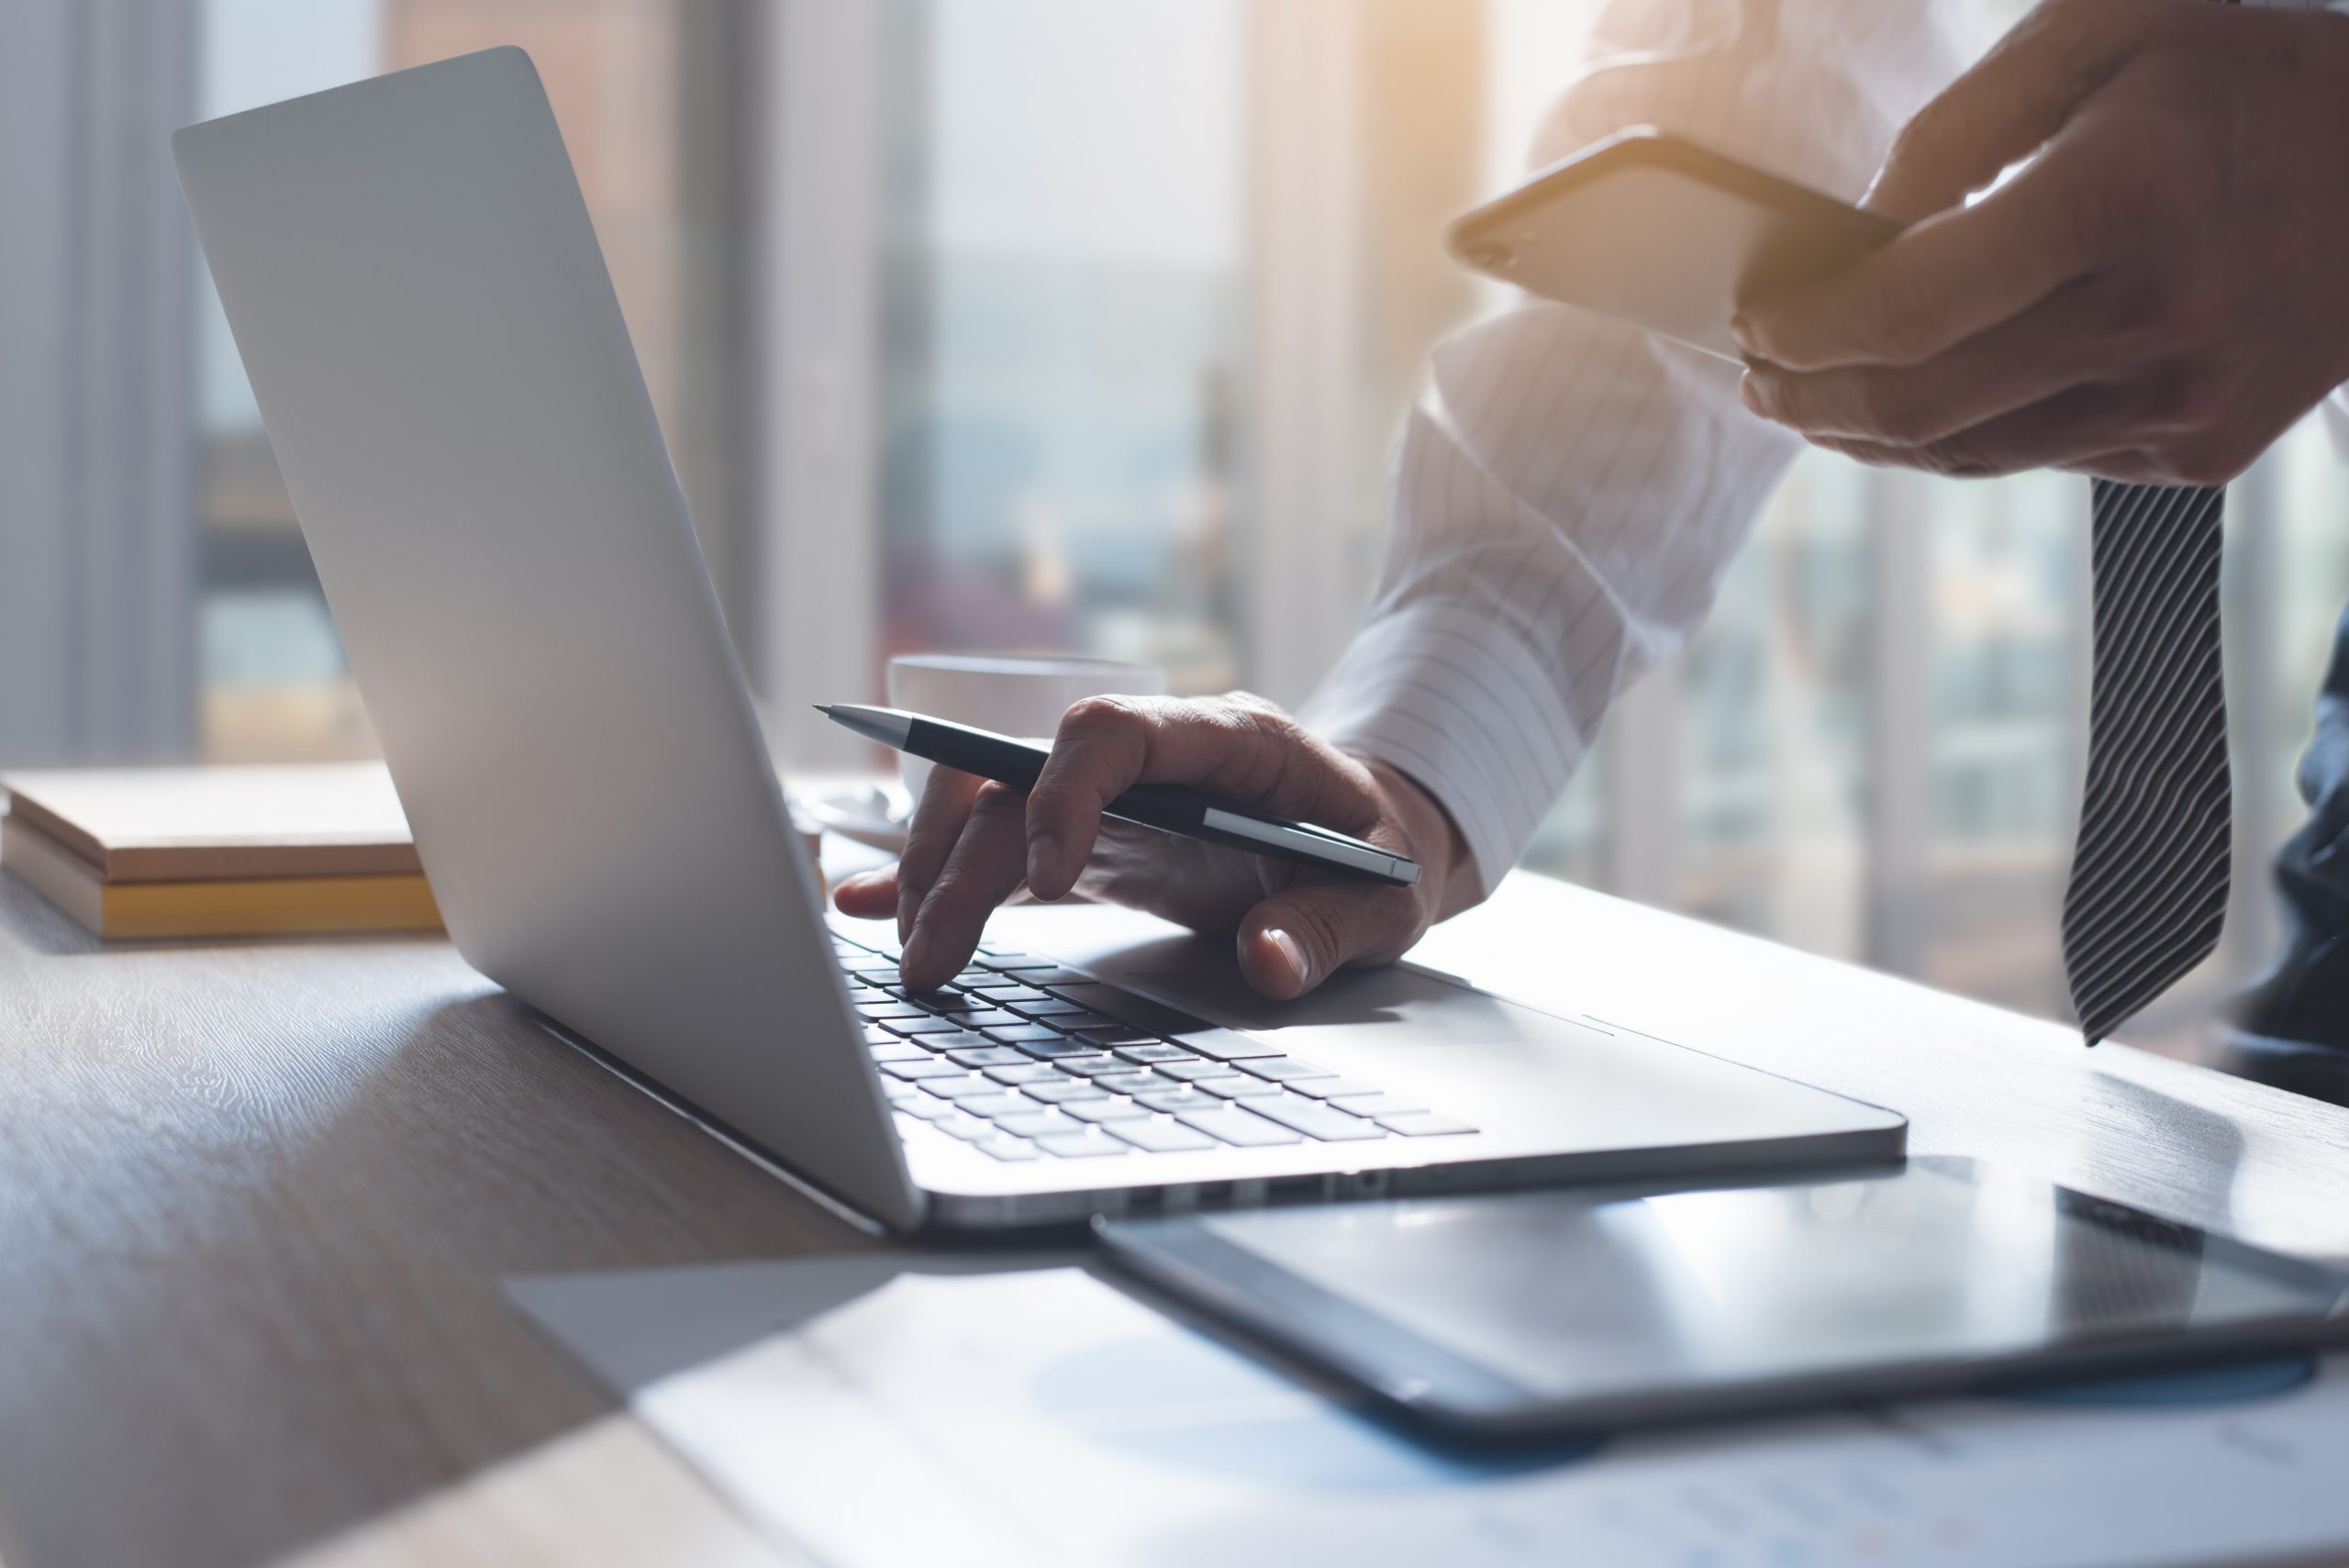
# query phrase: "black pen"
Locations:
[[1170, 807]]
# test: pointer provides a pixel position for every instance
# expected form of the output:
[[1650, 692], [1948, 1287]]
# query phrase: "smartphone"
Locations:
[[1652, 229]]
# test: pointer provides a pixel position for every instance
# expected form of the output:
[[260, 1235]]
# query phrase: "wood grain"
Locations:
[[256, 1200], [255, 1203]]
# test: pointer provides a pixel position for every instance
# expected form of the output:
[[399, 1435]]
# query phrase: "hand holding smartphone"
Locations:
[[1652, 229]]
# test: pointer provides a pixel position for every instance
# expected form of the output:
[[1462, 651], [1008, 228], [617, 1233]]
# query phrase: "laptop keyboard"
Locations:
[[1024, 1060]]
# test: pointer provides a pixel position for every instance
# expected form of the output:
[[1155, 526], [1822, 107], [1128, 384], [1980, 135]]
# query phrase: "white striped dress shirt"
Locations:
[[1570, 490]]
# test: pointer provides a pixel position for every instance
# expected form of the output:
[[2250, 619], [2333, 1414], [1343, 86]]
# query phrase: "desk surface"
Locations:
[[256, 1200]]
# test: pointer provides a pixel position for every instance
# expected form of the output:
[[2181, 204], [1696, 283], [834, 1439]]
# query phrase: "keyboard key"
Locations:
[[987, 1056], [947, 1041], [1121, 1034], [928, 1023], [1072, 1022], [881, 967], [1190, 1072], [1224, 1045], [1105, 1110], [1375, 1104], [962, 1088], [1026, 1072], [1003, 1102], [1063, 1092], [882, 1009], [899, 1050], [1002, 991], [914, 1072], [1007, 1149], [876, 1035], [1044, 973], [1034, 1123], [1053, 1007], [971, 977], [952, 1002], [990, 1018], [1233, 1125], [1161, 1136], [1281, 1069], [927, 1109], [1089, 1144], [1238, 1088], [1316, 1120], [1155, 1050], [1130, 1082], [1091, 1066], [1424, 1124], [1056, 1050], [1173, 1099], [1027, 1034], [1329, 1088], [1000, 953], [969, 1128]]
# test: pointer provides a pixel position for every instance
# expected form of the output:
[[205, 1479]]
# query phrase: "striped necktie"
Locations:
[[2148, 891]]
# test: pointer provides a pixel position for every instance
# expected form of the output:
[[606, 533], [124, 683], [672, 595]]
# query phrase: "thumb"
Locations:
[[1294, 940], [2008, 105]]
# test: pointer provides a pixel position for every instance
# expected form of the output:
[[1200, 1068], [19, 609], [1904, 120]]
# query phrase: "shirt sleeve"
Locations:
[[1569, 490]]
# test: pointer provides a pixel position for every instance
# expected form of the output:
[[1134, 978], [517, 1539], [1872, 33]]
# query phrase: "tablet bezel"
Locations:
[[1433, 1384]]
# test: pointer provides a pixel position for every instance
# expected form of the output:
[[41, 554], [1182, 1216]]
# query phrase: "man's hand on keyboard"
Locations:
[[973, 844]]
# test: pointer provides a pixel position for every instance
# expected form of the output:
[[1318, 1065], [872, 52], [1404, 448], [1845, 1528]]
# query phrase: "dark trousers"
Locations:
[[2305, 998]]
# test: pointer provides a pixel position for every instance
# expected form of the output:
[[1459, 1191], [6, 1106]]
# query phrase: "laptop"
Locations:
[[424, 313]]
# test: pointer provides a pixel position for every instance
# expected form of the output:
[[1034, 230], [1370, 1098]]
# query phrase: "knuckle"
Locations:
[[2201, 459], [998, 803], [1253, 703], [2067, 24], [1267, 723], [1956, 460], [1097, 718]]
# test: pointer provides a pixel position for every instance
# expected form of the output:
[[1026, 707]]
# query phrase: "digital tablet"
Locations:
[[1595, 1310], [1658, 231]]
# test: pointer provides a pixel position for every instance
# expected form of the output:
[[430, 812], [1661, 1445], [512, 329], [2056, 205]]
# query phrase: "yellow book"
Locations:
[[241, 907], [219, 822]]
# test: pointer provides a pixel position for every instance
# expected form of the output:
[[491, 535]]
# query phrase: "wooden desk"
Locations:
[[256, 1200]]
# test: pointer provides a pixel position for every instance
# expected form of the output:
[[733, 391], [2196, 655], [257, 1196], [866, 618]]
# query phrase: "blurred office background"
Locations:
[[1056, 324]]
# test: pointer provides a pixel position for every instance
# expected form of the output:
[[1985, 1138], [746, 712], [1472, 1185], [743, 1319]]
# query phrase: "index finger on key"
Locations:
[[937, 826]]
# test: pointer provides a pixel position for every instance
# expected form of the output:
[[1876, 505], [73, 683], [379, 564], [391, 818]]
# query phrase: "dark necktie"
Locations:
[[2148, 892]]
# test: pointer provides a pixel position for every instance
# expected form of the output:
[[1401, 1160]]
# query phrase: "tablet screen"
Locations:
[[1572, 1295]]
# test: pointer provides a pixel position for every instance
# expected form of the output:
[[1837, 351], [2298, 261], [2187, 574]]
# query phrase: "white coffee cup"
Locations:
[[1012, 694]]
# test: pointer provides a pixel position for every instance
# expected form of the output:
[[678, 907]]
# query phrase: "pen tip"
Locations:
[[823, 707]]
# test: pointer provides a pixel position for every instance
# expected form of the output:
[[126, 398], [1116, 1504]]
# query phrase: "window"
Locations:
[[644, 97], [1057, 323]]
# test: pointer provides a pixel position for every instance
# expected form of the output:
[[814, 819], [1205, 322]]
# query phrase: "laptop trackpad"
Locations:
[[1407, 1001]]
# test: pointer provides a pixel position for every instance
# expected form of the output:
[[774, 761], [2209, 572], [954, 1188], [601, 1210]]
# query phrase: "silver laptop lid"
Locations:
[[440, 359]]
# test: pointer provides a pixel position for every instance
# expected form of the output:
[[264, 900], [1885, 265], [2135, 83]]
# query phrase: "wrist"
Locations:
[[1448, 881]]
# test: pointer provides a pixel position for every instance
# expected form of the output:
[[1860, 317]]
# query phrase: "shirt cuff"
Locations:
[[1445, 695]]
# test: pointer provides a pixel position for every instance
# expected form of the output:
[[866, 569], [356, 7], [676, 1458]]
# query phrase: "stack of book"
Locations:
[[217, 851]]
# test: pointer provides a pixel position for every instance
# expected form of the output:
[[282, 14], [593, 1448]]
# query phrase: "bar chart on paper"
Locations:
[[1047, 1418]]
